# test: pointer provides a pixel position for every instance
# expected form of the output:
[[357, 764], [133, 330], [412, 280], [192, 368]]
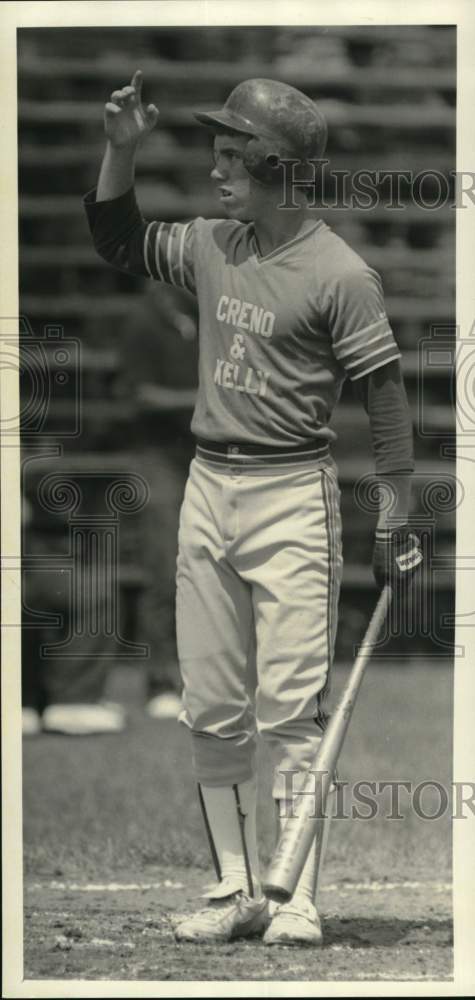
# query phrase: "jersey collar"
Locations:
[[261, 258]]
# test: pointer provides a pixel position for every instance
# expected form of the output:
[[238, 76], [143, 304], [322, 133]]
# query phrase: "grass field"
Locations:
[[114, 849]]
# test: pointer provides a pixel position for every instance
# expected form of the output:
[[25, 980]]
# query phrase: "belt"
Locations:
[[255, 454]]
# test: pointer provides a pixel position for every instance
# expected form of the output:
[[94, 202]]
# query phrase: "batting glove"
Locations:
[[397, 557]]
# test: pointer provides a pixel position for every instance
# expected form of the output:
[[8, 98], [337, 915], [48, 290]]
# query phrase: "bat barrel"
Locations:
[[310, 803], [295, 844]]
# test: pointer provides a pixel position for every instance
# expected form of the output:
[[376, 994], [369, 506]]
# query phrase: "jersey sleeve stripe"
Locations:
[[146, 247], [171, 234], [366, 329], [367, 369], [157, 251], [182, 254], [164, 248], [370, 355], [367, 343]]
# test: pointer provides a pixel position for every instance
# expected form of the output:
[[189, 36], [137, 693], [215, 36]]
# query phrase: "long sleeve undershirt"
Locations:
[[384, 398]]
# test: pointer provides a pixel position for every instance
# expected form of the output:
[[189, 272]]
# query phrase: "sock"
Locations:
[[230, 818], [308, 883]]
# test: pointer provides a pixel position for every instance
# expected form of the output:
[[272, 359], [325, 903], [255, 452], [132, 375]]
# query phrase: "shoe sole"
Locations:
[[295, 941]]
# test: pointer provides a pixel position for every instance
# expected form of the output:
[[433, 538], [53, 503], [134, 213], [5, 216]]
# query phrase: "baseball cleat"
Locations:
[[294, 923], [235, 916]]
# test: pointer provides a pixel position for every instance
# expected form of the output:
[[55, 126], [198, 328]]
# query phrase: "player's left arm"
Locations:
[[396, 552], [364, 344]]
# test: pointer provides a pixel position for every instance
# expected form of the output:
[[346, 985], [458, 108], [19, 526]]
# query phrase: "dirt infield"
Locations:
[[115, 850], [378, 931]]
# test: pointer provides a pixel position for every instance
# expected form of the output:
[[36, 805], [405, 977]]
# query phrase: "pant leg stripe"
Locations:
[[335, 562], [328, 525], [212, 846], [336, 556], [242, 819], [331, 532]]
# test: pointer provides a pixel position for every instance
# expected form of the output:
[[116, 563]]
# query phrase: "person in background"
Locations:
[[68, 694], [160, 358], [60, 693]]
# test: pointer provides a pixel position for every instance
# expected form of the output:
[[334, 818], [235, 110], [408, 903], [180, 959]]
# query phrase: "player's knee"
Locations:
[[222, 762]]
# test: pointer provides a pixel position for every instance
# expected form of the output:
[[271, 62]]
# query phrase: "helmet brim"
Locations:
[[225, 119]]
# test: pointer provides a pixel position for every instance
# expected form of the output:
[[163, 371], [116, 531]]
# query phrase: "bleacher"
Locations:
[[389, 97]]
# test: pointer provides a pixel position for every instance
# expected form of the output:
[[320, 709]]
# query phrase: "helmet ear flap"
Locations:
[[262, 160]]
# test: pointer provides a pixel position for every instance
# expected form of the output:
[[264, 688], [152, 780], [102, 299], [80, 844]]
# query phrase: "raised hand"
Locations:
[[126, 121]]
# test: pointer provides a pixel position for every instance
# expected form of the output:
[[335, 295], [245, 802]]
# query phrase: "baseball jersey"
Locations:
[[278, 334]]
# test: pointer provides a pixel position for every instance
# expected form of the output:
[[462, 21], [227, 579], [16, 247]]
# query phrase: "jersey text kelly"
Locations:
[[241, 378]]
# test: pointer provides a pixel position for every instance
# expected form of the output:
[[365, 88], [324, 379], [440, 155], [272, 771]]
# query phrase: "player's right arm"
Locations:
[[121, 235]]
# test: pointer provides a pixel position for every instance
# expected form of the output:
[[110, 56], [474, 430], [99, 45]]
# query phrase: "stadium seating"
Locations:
[[389, 96]]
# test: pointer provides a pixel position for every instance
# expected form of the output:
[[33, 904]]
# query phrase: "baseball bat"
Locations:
[[306, 822]]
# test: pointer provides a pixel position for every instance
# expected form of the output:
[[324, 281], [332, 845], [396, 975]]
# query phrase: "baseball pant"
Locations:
[[258, 575]]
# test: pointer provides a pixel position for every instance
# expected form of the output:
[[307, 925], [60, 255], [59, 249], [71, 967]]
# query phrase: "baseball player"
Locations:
[[287, 311]]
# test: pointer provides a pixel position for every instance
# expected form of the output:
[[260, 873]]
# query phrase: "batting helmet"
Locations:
[[281, 122]]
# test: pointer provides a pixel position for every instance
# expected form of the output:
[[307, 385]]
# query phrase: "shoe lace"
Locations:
[[216, 909]]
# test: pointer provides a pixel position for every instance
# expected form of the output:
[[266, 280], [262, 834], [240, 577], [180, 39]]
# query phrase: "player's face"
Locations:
[[231, 177]]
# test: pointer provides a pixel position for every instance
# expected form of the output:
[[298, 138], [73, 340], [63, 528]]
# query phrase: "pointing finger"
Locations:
[[136, 82]]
